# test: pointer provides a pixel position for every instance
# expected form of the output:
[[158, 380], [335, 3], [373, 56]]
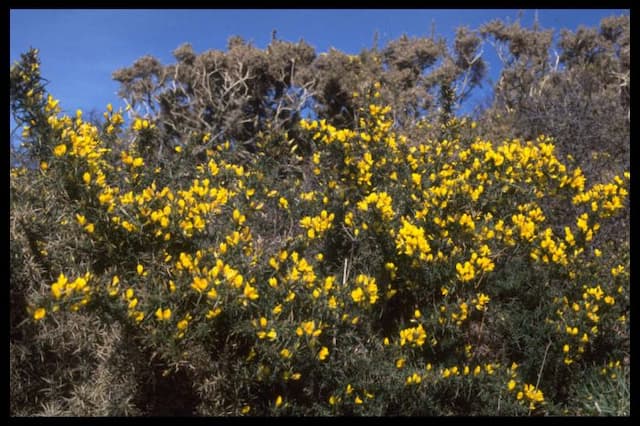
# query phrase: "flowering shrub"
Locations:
[[371, 274]]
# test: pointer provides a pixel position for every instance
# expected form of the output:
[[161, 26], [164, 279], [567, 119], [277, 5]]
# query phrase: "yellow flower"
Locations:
[[213, 313], [238, 217], [572, 330], [286, 353], [466, 220], [140, 124], [81, 219], [415, 378], [113, 288], [411, 239], [332, 303], [250, 292], [290, 297], [60, 150], [163, 315], [284, 203], [263, 322], [582, 222], [39, 314], [569, 238], [534, 395], [357, 295], [416, 336], [482, 300], [617, 270], [309, 328], [348, 219], [58, 287], [86, 177], [272, 334], [212, 293], [278, 401], [199, 284], [526, 226], [323, 354], [466, 272]]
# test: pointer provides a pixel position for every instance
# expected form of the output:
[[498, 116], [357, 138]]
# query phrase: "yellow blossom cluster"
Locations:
[[382, 202], [316, 226], [366, 290], [411, 240], [531, 394], [78, 290], [415, 336]]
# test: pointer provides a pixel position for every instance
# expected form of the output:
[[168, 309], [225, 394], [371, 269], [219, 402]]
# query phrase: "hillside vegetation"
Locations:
[[279, 232]]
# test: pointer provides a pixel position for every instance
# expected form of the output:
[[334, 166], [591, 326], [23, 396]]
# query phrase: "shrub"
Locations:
[[364, 273]]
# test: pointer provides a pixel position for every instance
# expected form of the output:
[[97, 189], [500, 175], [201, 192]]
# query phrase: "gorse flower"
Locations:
[[411, 239], [466, 271], [415, 336], [39, 314], [323, 354], [163, 314], [532, 394]]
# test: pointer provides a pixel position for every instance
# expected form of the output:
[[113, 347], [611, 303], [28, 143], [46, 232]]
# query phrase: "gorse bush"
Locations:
[[345, 271]]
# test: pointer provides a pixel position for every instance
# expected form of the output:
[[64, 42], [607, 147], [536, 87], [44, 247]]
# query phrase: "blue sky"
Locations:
[[79, 49]]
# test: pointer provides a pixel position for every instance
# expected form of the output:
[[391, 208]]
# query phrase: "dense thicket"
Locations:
[[284, 232]]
